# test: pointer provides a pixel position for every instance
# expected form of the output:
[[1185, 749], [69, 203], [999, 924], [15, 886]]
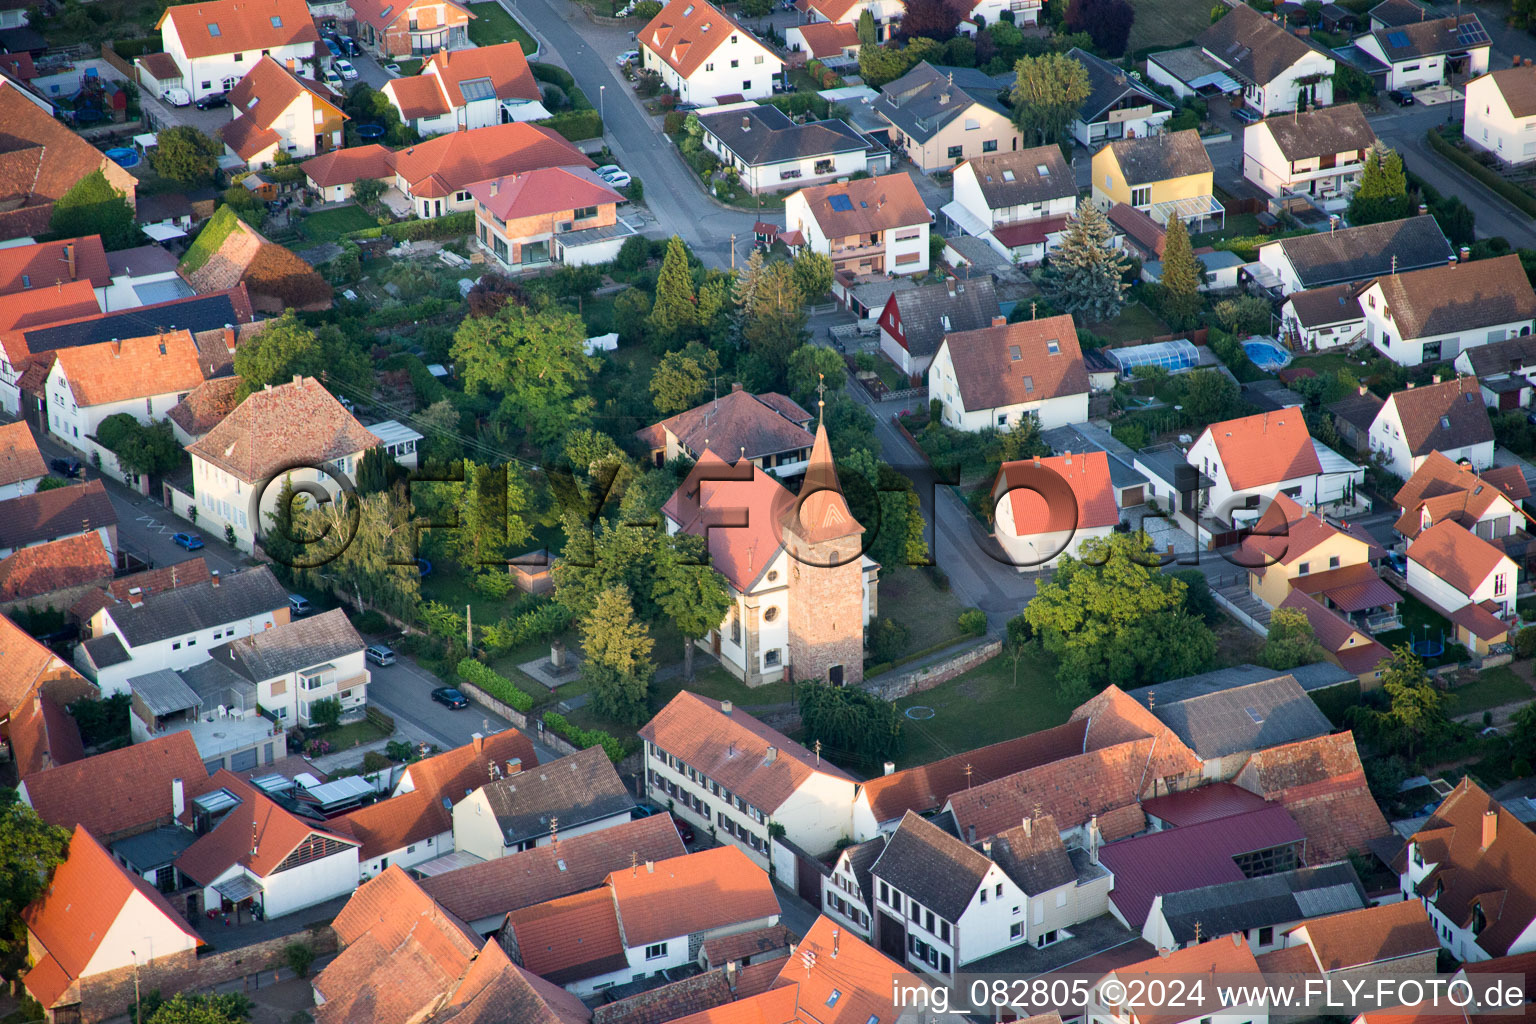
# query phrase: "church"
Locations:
[[802, 589]]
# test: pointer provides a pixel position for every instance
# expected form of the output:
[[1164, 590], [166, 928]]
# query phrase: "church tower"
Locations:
[[826, 576]]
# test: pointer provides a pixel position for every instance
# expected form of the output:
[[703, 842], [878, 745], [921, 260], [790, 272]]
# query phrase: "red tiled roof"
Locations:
[[165, 577], [693, 893], [1013, 364], [1037, 508], [248, 137], [20, 458], [829, 38], [570, 938], [280, 427], [46, 264], [43, 306], [27, 666], [1264, 448], [417, 96], [383, 13], [710, 502], [274, 276], [686, 32], [123, 791], [241, 25], [1456, 555], [43, 734], [40, 160], [1321, 782], [1370, 935], [1227, 955], [1350, 647], [504, 64], [881, 203], [542, 191], [258, 822], [1114, 717], [345, 166], [1286, 532], [1140, 227], [133, 368], [264, 95], [19, 65], [445, 164], [205, 406], [1448, 490], [1351, 588], [57, 565]]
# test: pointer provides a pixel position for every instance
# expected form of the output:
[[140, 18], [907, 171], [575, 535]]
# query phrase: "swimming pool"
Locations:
[[124, 157], [1267, 354]]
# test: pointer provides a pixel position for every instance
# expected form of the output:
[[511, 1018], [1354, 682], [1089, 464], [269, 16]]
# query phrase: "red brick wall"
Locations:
[[826, 610]]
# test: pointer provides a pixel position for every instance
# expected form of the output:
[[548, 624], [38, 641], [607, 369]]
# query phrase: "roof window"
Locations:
[[1053, 347], [1007, 176], [213, 29], [834, 997], [1029, 383], [1014, 353], [277, 21]]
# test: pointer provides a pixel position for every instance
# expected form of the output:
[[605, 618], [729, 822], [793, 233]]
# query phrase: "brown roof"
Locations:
[[686, 32], [43, 734], [1072, 790], [504, 64], [1257, 49], [418, 96], [495, 991], [213, 27], [742, 945], [1321, 782], [1161, 157], [40, 160], [344, 166], [1458, 297], [1318, 307], [1019, 178], [1325, 131], [696, 892], [1115, 718], [1013, 364], [570, 938], [60, 512], [27, 666], [1456, 555], [1448, 490], [121, 792], [1226, 955], [1265, 448], [258, 835], [277, 428], [732, 749], [1139, 226], [1442, 416], [165, 577], [1371, 935], [669, 1002], [741, 420], [27, 267], [275, 277], [120, 371], [161, 66], [708, 498], [874, 204], [445, 164], [58, 565], [1352, 649], [578, 789], [19, 457], [205, 406], [1518, 87], [829, 38], [1033, 855]]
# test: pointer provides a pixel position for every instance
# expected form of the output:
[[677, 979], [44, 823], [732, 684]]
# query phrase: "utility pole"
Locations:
[[137, 1019], [733, 250], [469, 628]]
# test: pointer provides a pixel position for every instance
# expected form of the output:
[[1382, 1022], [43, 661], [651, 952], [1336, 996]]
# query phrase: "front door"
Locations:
[[835, 675]]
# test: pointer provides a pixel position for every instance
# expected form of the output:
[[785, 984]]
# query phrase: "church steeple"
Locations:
[[821, 513]]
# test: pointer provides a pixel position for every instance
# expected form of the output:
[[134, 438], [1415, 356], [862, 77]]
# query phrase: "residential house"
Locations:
[[802, 591], [1277, 71], [705, 57], [483, 893], [54, 575], [43, 734], [331, 176], [887, 14], [1167, 175], [1432, 315], [941, 116], [915, 320], [990, 12], [297, 663], [536, 806], [273, 276], [1226, 727], [116, 591], [413, 28], [848, 893], [21, 464], [415, 824], [1503, 369], [1468, 579], [1263, 909], [1317, 153], [1466, 866], [869, 226], [1447, 418], [29, 669], [473, 88], [1052, 507], [1392, 13], [720, 768], [1018, 202], [1347, 255], [275, 110], [54, 265], [216, 43], [1343, 642], [565, 215], [257, 854], [833, 43], [1433, 51], [217, 706], [1252, 459], [141, 276], [49, 305], [769, 430], [49, 159], [996, 376], [1500, 111], [1318, 319], [1227, 956], [389, 931], [1118, 106], [177, 628], [44, 516], [1488, 504], [262, 440], [1390, 937], [94, 931], [771, 152], [202, 409], [1321, 784]]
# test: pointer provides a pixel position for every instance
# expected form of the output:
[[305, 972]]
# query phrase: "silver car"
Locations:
[[379, 654]]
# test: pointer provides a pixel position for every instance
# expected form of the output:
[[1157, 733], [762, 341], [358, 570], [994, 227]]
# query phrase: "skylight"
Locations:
[[1029, 383], [834, 997], [1397, 38], [277, 21], [1007, 175], [1014, 353], [1254, 714], [687, 10], [1053, 347], [213, 28], [1042, 170], [1445, 423]]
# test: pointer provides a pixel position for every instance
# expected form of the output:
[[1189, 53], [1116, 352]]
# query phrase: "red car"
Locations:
[[683, 829]]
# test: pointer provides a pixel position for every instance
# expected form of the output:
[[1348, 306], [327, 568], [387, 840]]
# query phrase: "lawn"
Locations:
[[352, 734], [981, 707], [909, 596], [1135, 323], [1490, 689], [1420, 621], [1236, 225], [329, 225], [409, 67], [492, 24], [1166, 23]]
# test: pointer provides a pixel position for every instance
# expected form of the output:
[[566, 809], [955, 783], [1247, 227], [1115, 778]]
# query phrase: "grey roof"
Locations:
[[1033, 855], [105, 651], [1263, 902], [1502, 356], [861, 858], [931, 866], [1188, 63], [578, 788], [1252, 717], [140, 261], [1108, 84], [202, 313], [1322, 132], [163, 692], [199, 606], [155, 849], [1357, 253], [298, 644], [44, 516], [1311, 677], [217, 683], [1255, 49], [1358, 410], [1432, 37], [933, 310], [765, 135], [1272, 395], [1398, 12], [928, 97], [1160, 157], [1016, 179], [1084, 437], [1318, 307]]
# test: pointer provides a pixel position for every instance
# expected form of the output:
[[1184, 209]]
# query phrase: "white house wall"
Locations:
[[140, 932], [1491, 126], [752, 78]]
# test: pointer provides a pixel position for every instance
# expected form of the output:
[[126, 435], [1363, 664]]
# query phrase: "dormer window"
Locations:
[[1479, 919], [1014, 354]]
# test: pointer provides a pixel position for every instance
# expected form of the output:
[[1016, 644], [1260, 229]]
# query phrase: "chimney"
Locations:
[[1490, 828], [477, 740], [746, 123], [1163, 952], [1435, 379], [135, 596], [178, 799], [1028, 825], [495, 185], [117, 347], [771, 756], [999, 321], [890, 768], [986, 848], [1466, 253], [1423, 209], [1237, 939], [835, 934], [730, 976], [298, 379], [1362, 389], [650, 867], [69, 257], [1094, 838], [949, 284], [726, 707], [213, 578], [229, 337], [970, 830], [514, 766]]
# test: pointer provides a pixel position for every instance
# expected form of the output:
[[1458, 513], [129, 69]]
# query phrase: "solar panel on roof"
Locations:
[[1472, 33], [1397, 38], [840, 203]]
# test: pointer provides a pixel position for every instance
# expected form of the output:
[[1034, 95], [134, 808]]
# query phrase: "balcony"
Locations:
[[858, 252]]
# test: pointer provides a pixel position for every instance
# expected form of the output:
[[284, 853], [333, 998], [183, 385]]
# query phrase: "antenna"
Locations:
[[1033, 307], [1197, 933], [818, 751]]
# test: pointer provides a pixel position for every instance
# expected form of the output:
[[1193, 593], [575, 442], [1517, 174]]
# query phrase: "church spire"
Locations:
[[821, 513]]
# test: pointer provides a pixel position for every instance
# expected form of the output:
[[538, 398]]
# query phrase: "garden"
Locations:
[[490, 24]]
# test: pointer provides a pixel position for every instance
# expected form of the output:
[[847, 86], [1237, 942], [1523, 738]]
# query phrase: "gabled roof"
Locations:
[[46, 264], [1321, 782], [765, 424], [1033, 855], [1153, 158], [205, 406], [1324, 131], [26, 665], [708, 504], [543, 191], [1265, 448], [199, 606], [418, 96], [198, 313], [671, 1001], [1517, 86], [686, 32], [288, 647], [274, 276], [764, 135], [1265, 901], [1456, 297], [1431, 36], [213, 27], [120, 792], [133, 368], [1505, 356], [930, 97], [383, 13], [1370, 935], [84, 899], [931, 866], [697, 892], [1448, 490], [1320, 307], [1456, 555], [40, 160], [279, 428], [1347, 645], [1251, 717], [1252, 46], [1369, 250], [494, 990], [824, 39], [867, 205], [48, 305], [19, 456], [1037, 512], [261, 98], [1285, 534], [503, 64], [1108, 84], [256, 835], [1442, 416], [445, 164], [1018, 363], [930, 311], [578, 789], [459, 771], [43, 734], [355, 163], [841, 963], [1140, 227], [1227, 955], [570, 938], [76, 561], [165, 577], [1019, 178], [60, 512]]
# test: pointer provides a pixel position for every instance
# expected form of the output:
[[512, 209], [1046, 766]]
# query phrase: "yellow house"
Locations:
[[941, 118], [1161, 175]]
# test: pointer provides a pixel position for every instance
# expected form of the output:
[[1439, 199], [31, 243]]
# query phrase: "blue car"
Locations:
[[187, 540]]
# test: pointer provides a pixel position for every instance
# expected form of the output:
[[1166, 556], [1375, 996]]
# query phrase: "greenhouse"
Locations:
[[1176, 356]]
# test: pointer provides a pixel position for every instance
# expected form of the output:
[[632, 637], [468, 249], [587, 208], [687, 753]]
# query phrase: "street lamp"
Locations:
[[601, 90]]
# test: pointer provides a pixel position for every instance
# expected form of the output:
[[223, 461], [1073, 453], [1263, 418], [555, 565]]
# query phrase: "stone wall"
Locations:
[[893, 686]]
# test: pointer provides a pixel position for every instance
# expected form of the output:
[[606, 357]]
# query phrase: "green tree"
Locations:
[[595, 559], [879, 65], [1112, 616], [367, 191], [491, 506], [618, 657], [101, 720], [1048, 91], [280, 539], [682, 379], [865, 27], [748, 283], [1182, 276], [851, 723], [1417, 714], [534, 360], [1523, 14], [150, 450], [1210, 396], [1084, 276], [813, 272], [325, 713], [186, 156], [287, 347], [776, 326], [226, 1008], [363, 550], [1383, 190], [1021, 442], [377, 470], [300, 957], [1018, 643], [1291, 642], [93, 207], [690, 593], [30, 849], [1523, 736], [1244, 315], [676, 307], [811, 366]]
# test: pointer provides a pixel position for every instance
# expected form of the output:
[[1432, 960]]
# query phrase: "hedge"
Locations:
[[1487, 175], [553, 75], [496, 684], [136, 47], [575, 125], [584, 738], [452, 225]]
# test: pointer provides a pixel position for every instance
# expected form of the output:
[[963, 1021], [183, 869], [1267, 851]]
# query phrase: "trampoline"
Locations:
[[370, 131], [1427, 646], [124, 157]]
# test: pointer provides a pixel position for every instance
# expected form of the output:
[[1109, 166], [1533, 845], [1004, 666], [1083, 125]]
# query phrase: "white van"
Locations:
[[177, 97]]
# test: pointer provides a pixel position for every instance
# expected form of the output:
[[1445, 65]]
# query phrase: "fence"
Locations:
[[119, 62]]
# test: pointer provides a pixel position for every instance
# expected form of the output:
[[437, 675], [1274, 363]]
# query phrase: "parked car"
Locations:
[[213, 101], [350, 46], [1402, 97], [613, 175], [393, 69], [684, 830], [1397, 562], [333, 47], [643, 811], [626, 57], [379, 654], [177, 97], [298, 606], [332, 79], [66, 467], [450, 697], [345, 69], [1243, 115], [190, 541]]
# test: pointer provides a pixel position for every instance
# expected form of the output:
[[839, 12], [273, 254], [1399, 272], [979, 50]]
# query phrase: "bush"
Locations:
[[370, 622], [399, 750], [673, 122], [584, 738], [495, 684], [373, 761], [325, 713], [493, 583], [888, 640], [1525, 642], [574, 125], [299, 957], [453, 225], [1483, 173], [973, 621]]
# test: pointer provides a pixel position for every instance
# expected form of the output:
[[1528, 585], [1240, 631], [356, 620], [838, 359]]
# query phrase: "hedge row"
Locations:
[[497, 685], [584, 738], [1487, 175], [576, 125], [553, 75], [453, 225]]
